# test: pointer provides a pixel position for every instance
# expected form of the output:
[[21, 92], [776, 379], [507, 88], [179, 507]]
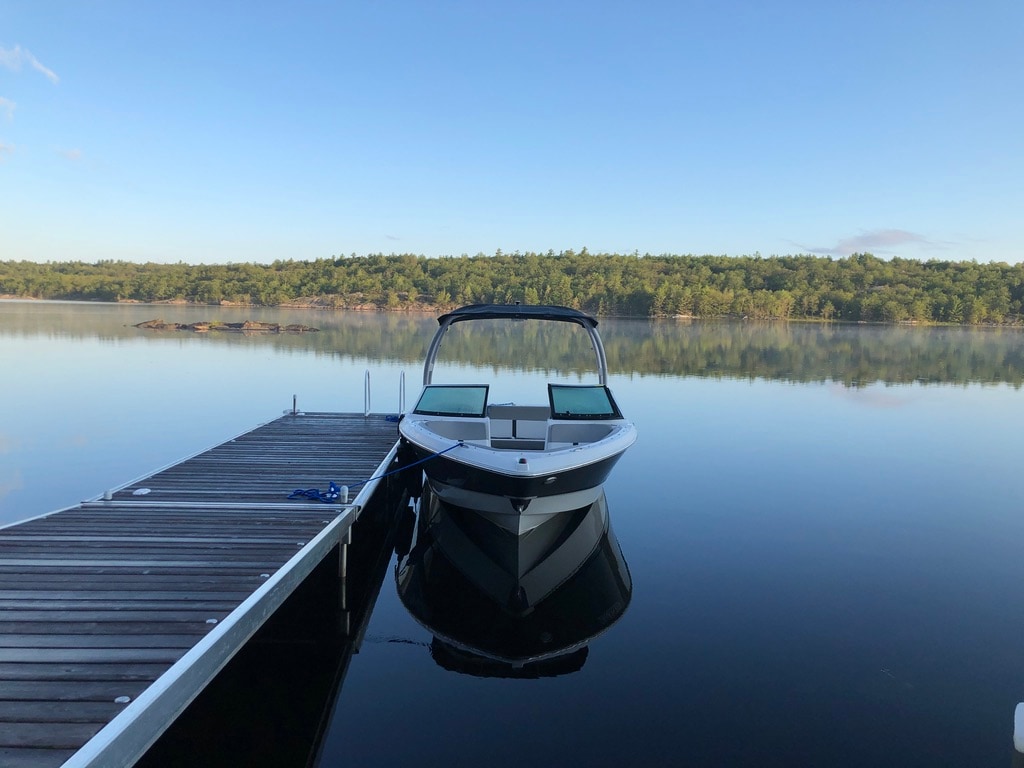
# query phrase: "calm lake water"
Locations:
[[821, 526]]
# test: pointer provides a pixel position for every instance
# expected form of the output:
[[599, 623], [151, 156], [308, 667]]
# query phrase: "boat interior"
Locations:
[[574, 415]]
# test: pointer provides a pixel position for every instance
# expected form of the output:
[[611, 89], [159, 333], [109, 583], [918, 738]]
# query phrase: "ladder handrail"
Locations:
[[366, 393]]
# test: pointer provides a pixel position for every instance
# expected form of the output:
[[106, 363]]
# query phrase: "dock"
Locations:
[[117, 612]]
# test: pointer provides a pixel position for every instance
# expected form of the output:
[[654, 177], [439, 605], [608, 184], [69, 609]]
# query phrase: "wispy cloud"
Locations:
[[74, 155], [5, 149], [14, 58], [7, 107], [874, 241], [872, 397]]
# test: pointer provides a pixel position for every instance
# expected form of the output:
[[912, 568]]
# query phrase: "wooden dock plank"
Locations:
[[105, 595], [115, 609], [69, 673], [69, 640], [60, 712], [68, 690], [26, 757], [78, 608], [90, 655], [126, 629], [116, 615], [45, 735]]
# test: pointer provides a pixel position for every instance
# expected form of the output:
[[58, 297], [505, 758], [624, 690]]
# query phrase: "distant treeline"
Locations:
[[860, 287]]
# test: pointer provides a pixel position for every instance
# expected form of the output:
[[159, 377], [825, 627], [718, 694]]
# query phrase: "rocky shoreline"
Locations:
[[249, 326]]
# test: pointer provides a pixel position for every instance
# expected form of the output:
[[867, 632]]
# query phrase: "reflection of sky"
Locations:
[[736, 434], [10, 480], [82, 415]]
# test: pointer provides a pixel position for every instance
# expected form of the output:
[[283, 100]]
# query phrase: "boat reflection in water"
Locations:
[[501, 605]]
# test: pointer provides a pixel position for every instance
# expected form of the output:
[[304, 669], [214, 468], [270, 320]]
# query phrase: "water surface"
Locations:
[[821, 526]]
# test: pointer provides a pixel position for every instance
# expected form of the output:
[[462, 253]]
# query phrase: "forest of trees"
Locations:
[[860, 287]]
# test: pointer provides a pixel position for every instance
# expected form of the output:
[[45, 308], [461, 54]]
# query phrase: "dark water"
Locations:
[[820, 526]]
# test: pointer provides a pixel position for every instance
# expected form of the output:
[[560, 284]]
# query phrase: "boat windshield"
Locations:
[[582, 402], [453, 400]]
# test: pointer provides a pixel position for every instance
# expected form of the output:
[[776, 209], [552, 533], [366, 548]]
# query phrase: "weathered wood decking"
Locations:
[[115, 613]]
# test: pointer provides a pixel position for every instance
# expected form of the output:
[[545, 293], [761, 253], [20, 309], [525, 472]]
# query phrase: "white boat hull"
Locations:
[[516, 464], [516, 490]]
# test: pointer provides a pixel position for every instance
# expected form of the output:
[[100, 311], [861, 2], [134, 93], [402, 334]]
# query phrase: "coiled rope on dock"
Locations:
[[334, 492]]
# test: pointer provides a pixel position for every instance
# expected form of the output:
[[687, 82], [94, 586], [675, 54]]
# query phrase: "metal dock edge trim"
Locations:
[[127, 737], [228, 505]]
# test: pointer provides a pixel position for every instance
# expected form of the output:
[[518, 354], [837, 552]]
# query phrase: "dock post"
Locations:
[[345, 617], [343, 554]]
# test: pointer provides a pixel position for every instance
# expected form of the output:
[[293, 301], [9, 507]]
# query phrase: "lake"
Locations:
[[820, 524]]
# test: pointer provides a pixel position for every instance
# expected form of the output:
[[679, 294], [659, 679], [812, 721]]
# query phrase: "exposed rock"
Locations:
[[160, 325], [249, 326]]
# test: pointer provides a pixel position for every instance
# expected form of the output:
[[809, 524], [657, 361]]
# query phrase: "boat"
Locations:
[[518, 464], [502, 605]]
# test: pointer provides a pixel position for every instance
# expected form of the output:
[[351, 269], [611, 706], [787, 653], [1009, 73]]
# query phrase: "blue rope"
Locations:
[[333, 492], [331, 495], [402, 469]]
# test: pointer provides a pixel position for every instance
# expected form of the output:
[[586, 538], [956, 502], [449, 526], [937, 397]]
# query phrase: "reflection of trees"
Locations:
[[852, 354]]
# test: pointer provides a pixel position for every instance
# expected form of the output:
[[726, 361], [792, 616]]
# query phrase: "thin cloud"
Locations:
[[5, 149], [49, 73], [13, 58], [74, 155], [871, 397], [7, 107], [876, 241]]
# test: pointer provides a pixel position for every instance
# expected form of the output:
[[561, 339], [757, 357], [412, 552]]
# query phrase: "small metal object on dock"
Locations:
[[116, 613]]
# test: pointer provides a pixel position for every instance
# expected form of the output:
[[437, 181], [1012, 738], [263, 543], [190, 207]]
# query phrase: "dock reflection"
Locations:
[[273, 702], [500, 605]]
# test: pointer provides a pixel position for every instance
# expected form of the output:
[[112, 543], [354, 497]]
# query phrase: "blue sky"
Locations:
[[230, 131]]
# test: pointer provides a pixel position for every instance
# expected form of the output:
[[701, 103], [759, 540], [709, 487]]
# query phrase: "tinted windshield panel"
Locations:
[[453, 401], [582, 403]]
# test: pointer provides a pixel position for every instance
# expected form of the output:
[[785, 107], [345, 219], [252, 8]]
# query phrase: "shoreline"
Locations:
[[425, 309]]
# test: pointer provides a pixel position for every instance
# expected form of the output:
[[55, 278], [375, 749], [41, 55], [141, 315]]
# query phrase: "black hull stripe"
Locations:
[[453, 473]]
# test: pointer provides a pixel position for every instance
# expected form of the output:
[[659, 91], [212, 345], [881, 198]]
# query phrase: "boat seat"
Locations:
[[528, 422], [578, 433], [517, 445], [459, 430]]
